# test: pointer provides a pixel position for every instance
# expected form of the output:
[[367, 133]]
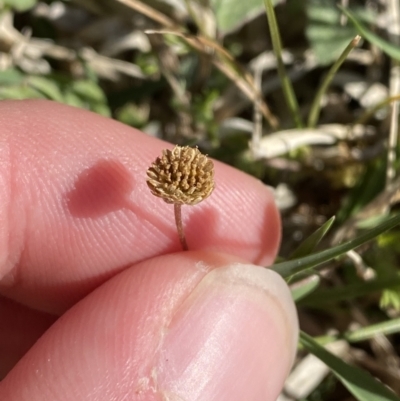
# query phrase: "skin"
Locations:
[[97, 300]]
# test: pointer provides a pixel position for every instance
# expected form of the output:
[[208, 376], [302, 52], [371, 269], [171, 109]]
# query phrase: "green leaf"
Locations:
[[386, 328], [369, 185], [287, 87], [11, 77], [73, 99], [232, 13], [133, 115], [19, 93], [387, 47], [290, 267], [365, 333], [390, 299], [46, 86], [92, 95], [327, 37], [20, 5], [102, 109], [359, 382], [88, 90], [325, 297], [309, 244], [323, 87], [304, 287]]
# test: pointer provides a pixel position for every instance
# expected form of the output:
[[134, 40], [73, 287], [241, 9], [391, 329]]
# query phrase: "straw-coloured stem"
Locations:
[[182, 176], [179, 227]]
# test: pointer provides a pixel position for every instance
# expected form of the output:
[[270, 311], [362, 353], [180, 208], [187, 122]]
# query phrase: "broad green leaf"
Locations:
[[391, 241], [309, 244], [327, 37], [88, 90], [360, 383], [46, 86], [387, 47], [304, 287], [133, 115], [390, 299], [20, 5], [19, 92], [72, 99], [92, 95], [232, 13], [290, 267], [101, 108], [11, 77]]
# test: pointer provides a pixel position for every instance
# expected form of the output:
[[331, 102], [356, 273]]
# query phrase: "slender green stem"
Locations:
[[178, 221], [291, 267], [368, 113], [363, 333], [316, 106], [287, 87]]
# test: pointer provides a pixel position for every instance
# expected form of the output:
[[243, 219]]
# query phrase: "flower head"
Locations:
[[182, 176]]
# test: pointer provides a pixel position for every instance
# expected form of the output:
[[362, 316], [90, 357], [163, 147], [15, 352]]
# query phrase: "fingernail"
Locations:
[[233, 338]]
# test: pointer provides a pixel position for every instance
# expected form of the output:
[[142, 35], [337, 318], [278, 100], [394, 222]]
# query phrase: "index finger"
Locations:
[[75, 208]]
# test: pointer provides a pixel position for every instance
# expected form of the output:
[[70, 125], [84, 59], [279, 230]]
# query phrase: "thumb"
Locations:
[[191, 326]]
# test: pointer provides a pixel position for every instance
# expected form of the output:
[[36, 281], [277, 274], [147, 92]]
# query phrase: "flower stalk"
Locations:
[[179, 227], [182, 176]]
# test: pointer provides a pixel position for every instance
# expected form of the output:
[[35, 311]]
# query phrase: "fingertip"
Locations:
[[233, 338], [81, 211], [240, 218], [195, 326]]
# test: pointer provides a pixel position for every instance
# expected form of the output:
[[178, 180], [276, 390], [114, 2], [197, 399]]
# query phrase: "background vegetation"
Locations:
[[283, 90]]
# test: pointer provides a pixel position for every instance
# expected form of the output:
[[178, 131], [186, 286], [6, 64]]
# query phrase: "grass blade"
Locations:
[[287, 87], [325, 297], [359, 382], [316, 105], [290, 267], [303, 288], [387, 47], [309, 244], [365, 333]]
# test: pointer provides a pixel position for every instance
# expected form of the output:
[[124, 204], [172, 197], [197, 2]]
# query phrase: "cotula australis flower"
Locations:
[[181, 176]]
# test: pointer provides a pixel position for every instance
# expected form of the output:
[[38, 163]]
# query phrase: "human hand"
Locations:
[[84, 245]]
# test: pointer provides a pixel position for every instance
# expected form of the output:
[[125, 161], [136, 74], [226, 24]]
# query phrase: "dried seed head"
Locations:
[[181, 176]]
